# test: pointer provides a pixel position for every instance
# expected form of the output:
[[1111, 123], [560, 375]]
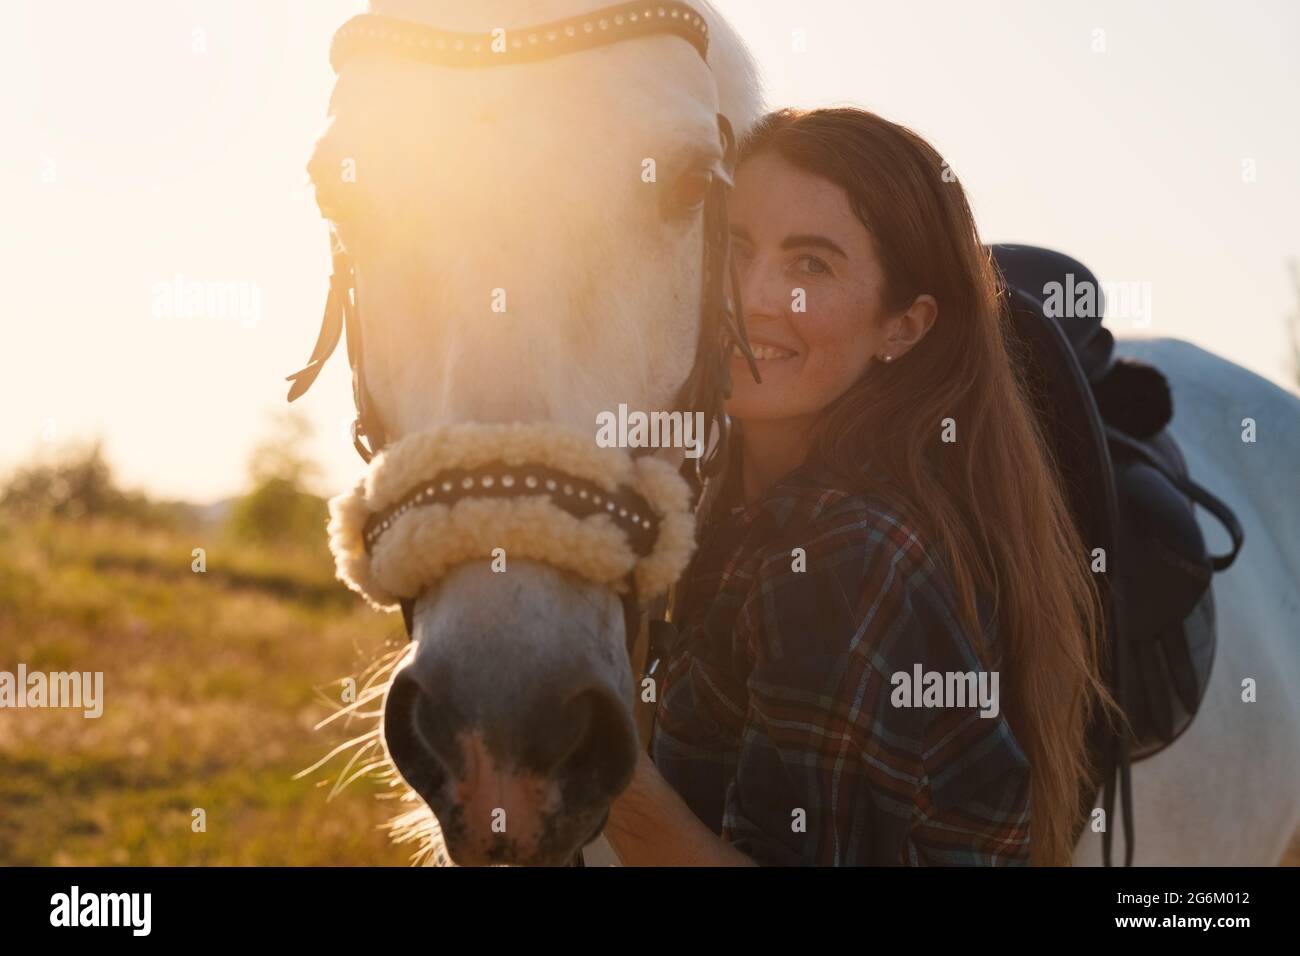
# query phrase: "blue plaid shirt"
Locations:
[[775, 721]]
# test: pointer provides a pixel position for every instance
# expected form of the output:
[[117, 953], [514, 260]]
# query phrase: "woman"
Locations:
[[890, 513]]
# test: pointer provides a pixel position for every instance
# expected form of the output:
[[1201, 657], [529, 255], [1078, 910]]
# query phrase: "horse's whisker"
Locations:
[[336, 751], [373, 765]]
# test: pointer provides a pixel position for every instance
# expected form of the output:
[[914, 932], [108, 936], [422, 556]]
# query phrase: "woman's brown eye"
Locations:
[[690, 191], [814, 266]]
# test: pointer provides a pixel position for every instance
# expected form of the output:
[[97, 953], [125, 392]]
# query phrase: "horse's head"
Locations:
[[527, 247]]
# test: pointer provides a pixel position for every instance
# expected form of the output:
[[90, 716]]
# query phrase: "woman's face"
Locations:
[[812, 289]]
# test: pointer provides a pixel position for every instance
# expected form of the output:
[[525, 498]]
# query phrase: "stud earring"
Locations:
[[888, 358]]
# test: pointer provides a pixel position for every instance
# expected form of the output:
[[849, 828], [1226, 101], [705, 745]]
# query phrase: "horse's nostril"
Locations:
[[584, 743], [408, 723], [603, 755]]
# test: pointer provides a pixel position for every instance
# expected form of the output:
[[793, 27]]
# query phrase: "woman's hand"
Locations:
[[650, 825]]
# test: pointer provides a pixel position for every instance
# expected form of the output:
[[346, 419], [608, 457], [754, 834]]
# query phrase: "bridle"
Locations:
[[721, 327]]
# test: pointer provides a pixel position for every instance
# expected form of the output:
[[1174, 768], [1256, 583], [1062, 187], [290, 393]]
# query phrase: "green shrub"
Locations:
[[280, 511], [277, 512]]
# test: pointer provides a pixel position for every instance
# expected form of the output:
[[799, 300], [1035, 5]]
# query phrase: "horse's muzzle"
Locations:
[[522, 775]]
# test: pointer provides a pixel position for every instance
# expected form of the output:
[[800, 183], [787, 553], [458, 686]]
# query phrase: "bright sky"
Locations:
[[1159, 142]]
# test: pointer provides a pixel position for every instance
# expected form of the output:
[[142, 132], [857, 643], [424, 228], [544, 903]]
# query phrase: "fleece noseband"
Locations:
[[535, 492]]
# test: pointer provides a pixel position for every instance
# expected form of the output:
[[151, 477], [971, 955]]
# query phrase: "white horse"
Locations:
[[1228, 791], [524, 187]]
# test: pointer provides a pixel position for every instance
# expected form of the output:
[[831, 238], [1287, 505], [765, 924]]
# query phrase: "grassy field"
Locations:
[[212, 684]]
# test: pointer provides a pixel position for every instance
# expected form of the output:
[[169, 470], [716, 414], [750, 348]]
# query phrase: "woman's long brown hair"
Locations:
[[991, 501]]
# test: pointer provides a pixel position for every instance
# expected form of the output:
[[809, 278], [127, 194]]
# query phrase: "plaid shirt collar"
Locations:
[[799, 494]]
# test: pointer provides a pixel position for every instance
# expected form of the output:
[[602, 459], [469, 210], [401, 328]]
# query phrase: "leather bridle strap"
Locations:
[[722, 326], [341, 313]]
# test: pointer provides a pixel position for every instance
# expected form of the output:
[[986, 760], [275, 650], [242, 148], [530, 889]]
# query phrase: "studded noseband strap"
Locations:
[[579, 497]]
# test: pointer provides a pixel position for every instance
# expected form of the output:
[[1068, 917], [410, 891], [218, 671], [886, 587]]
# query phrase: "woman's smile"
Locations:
[[765, 352]]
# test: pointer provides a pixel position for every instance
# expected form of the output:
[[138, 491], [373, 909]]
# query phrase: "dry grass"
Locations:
[[212, 684]]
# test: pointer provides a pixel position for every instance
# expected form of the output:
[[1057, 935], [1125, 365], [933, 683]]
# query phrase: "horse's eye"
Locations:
[[690, 191]]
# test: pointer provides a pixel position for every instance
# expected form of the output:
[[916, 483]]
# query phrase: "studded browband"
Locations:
[[376, 33]]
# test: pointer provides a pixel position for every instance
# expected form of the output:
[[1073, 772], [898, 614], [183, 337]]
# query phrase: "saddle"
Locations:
[[1105, 421]]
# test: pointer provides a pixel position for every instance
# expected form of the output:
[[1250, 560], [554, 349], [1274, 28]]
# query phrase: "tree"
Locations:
[[279, 510], [77, 483]]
